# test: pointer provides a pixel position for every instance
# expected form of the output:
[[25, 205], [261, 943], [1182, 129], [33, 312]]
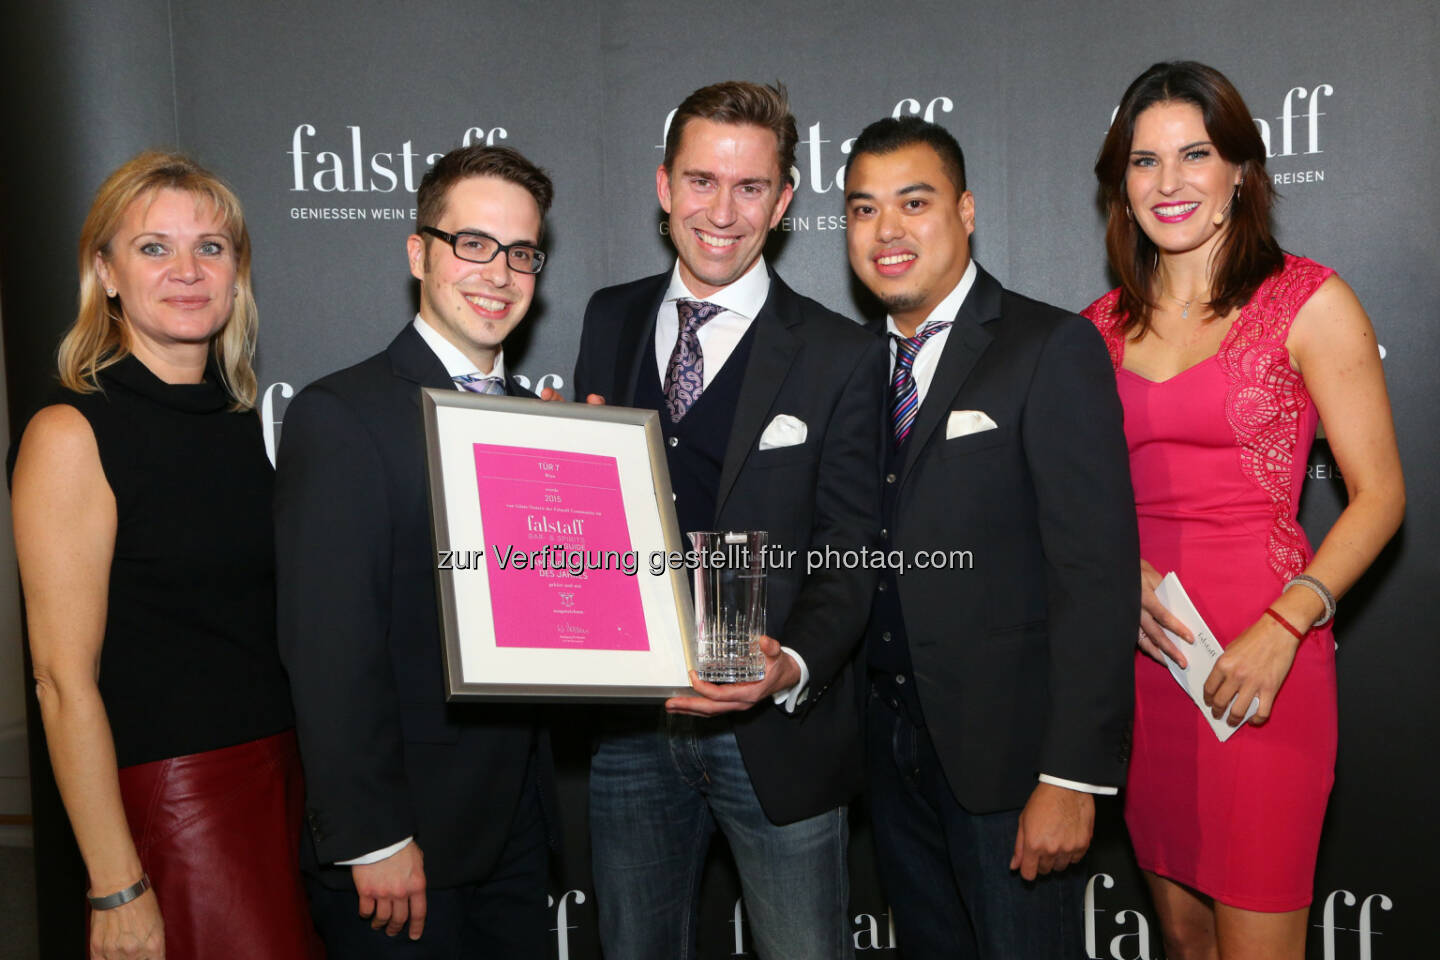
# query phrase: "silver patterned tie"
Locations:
[[477, 383]]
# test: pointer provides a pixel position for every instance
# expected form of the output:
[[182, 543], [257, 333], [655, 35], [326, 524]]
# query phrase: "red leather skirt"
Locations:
[[219, 834]]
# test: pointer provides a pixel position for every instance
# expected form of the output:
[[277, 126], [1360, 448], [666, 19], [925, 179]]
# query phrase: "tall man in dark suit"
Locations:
[[770, 407], [420, 813], [1000, 654]]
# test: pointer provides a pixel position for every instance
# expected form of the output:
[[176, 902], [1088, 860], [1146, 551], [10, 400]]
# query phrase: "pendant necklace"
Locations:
[[1184, 304]]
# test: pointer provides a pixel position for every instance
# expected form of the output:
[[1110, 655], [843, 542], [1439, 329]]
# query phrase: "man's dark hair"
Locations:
[[891, 134], [462, 163], [737, 101]]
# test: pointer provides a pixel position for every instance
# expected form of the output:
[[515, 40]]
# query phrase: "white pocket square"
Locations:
[[783, 431], [962, 423]]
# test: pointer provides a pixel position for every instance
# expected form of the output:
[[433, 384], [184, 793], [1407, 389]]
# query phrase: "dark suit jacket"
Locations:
[[385, 756], [1024, 663], [816, 365]]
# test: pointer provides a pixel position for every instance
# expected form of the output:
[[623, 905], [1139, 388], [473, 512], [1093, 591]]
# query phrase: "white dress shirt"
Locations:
[[923, 370], [719, 336], [456, 365], [452, 357]]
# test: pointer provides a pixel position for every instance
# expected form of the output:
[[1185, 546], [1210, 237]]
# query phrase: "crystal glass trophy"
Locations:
[[730, 605]]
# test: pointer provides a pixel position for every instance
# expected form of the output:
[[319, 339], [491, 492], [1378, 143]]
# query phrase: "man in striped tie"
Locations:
[[999, 651]]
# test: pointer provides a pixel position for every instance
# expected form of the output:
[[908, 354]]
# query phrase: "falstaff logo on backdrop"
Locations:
[[1281, 140], [1346, 926], [873, 932], [824, 160], [326, 163]]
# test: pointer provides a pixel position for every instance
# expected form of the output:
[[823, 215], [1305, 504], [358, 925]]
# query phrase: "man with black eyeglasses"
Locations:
[[422, 818]]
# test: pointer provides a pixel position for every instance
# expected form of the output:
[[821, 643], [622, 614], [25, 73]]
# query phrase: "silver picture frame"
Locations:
[[517, 488]]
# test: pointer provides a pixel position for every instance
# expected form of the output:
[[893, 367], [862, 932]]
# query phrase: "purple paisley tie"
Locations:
[[685, 373], [904, 398]]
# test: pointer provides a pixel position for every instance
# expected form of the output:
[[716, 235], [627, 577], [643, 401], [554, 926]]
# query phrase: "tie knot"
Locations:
[[907, 347], [694, 313], [479, 383]]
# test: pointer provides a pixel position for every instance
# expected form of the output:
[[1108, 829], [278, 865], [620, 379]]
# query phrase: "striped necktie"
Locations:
[[477, 383], [904, 398]]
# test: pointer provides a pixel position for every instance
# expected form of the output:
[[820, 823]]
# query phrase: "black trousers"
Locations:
[[503, 916], [946, 871]]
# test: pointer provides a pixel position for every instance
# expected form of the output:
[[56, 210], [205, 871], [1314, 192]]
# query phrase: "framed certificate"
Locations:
[[556, 551]]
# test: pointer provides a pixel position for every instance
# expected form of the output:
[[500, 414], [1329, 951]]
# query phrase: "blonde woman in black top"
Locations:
[[142, 525]]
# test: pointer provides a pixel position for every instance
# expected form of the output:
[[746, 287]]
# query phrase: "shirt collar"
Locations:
[[947, 309], [454, 361], [745, 296]]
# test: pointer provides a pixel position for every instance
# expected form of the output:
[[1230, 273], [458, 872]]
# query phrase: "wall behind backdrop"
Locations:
[[324, 117]]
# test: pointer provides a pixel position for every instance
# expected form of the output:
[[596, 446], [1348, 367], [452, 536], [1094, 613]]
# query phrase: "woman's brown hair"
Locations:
[[1247, 253]]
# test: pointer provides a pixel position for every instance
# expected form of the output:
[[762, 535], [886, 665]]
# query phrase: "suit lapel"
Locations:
[[771, 354], [412, 359], [967, 340], [633, 347]]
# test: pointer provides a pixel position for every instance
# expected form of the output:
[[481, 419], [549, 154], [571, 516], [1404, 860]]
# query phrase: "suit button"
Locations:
[[900, 679], [885, 636], [884, 533], [674, 441], [881, 587], [889, 478]]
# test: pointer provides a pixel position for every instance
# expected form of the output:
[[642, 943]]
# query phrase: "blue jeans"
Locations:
[[946, 871], [658, 790]]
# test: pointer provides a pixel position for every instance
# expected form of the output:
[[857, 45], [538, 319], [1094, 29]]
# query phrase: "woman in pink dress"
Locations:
[[1227, 353]]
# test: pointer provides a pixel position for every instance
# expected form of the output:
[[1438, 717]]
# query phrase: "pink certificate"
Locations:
[[557, 550]]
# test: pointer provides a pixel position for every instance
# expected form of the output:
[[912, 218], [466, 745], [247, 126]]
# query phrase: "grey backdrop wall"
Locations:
[[324, 117]]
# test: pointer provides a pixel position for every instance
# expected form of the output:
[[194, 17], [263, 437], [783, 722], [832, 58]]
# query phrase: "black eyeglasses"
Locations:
[[482, 248]]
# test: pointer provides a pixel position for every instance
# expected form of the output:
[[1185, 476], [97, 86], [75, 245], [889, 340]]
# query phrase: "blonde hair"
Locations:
[[99, 336]]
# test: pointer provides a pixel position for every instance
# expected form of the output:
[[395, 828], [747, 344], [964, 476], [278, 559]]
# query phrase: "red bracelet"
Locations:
[[1284, 623]]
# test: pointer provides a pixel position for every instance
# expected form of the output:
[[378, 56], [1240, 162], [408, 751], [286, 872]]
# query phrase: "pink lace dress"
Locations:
[[1217, 455]]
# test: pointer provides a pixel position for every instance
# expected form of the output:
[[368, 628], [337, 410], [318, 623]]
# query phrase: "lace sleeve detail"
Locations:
[[1267, 398], [1102, 314]]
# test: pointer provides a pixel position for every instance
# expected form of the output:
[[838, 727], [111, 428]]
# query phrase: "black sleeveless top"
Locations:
[[190, 661]]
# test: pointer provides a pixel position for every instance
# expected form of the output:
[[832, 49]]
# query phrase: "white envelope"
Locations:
[[1200, 656], [783, 431], [962, 423]]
